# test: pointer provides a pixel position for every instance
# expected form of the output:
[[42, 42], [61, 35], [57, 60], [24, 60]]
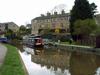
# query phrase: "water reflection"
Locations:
[[52, 60], [60, 62], [83, 64]]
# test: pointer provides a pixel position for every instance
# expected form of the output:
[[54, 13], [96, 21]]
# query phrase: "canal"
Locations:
[[59, 62]]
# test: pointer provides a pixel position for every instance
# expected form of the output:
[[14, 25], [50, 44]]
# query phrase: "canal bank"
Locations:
[[73, 48], [3, 51], [12, 64], [63, 62]]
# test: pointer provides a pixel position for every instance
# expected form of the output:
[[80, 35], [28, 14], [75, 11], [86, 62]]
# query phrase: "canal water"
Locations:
[[60, 62]]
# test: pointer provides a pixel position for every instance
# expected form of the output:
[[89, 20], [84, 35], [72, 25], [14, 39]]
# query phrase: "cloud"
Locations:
[[21, 11]]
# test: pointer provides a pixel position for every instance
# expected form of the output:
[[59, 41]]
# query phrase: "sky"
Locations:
[[23, 11]]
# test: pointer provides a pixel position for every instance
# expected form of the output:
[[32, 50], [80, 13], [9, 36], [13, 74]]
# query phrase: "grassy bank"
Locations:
[[12, 64]]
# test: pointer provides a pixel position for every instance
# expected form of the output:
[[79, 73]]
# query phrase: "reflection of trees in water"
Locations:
[[52, 61], [84, 64], [20, 47], [60, 72], [78, 63]]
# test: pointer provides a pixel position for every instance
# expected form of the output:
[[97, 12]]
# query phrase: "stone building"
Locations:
[[9, 25], [56, 23]]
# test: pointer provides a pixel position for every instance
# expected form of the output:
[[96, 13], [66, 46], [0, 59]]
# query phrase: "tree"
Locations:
[[28, 31], [22, 30], [81, 10], [97, 31], [84, 27], [93, 8], [10, 34]]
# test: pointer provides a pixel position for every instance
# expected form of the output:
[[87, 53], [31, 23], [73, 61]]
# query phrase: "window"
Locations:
[[62, 25], [35, 21]]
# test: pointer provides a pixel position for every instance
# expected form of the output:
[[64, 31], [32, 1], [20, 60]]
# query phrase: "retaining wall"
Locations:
[[74, 48]]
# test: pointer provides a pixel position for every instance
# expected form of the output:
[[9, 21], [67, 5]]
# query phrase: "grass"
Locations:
[[12, 64], [64, 42], [73, 43]]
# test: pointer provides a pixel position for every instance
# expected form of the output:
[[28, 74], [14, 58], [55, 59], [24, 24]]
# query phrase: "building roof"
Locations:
[[8, 23], [51, 16]]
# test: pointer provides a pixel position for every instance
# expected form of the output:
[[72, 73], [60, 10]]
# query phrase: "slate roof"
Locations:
[[51, 16]]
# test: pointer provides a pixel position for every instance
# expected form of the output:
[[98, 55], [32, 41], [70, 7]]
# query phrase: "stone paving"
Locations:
[[3, 51]]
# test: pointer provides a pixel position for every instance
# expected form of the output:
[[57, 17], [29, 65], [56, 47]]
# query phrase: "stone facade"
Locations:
[[9, 25], [54, 22]]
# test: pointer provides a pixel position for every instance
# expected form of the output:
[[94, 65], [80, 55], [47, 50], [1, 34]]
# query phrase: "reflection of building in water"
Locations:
[[76, 63], [84, 64], [52, 61]]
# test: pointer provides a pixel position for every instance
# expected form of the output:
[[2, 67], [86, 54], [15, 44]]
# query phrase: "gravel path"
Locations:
[[3, 51]]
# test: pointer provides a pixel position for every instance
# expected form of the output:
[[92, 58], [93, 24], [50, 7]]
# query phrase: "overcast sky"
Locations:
[[22, 11]]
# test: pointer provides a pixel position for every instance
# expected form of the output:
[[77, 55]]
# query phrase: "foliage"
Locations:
[[22, 28], [10, 34], [84, 27], [28, 31], [81, 10], [24, 31], [45, 31], [12, 64], [93, 8], [97, 31]]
